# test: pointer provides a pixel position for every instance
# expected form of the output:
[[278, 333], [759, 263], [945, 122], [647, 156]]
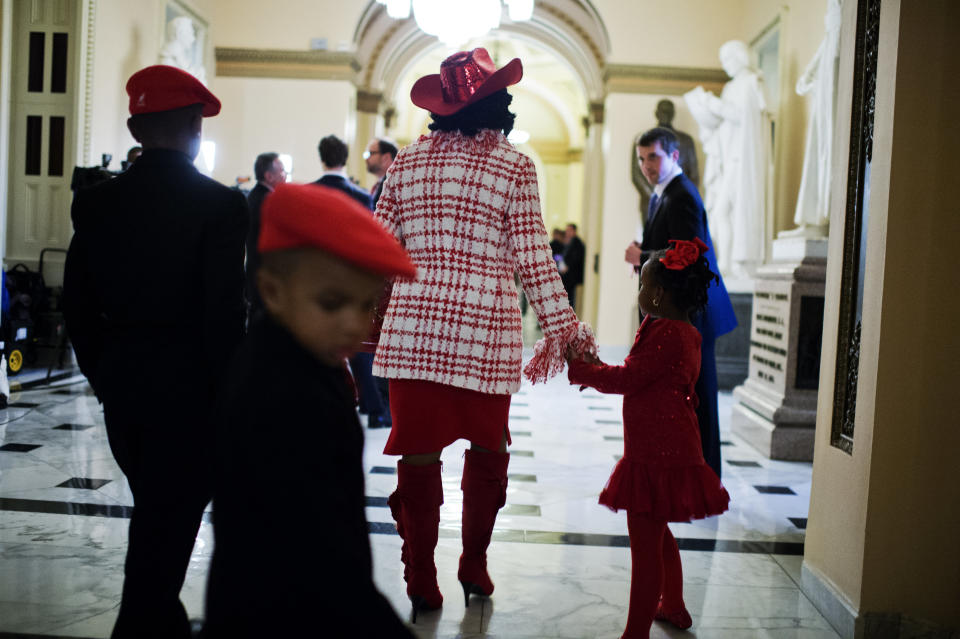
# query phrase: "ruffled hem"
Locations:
[[671, 493], [550, 353], [484, 141]]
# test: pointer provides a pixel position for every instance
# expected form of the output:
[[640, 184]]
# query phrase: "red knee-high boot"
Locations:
[[646, 573], [415, 506], [484, 488], [672, 608]]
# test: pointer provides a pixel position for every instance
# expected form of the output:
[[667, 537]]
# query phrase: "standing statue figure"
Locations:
[[688, 156], [735, 139], [820, 81], [180, 48]]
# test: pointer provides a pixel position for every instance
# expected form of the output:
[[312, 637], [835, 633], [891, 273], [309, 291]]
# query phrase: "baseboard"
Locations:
[[831, 603]]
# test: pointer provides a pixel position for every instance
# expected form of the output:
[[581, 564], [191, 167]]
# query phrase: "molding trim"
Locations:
[[825, 596], [368, 102], [641, 78], [286, 63], [88, 69]]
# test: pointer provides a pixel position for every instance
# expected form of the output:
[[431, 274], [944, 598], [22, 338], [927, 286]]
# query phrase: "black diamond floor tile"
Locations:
[[521, 453], [19, 448], [744, 464], [775, 490], [726, 443], [799, 522], [73, 427], [521, 477], [609, 421], [600, 407], [613, 438], [23, 405], [84, 482], [520, 433], [383, 470]]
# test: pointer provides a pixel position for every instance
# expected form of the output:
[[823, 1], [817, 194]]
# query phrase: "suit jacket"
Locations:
[[574, 254], [375, 193], [275, 388], [153, 283], [680, 216], [348, 187], [254, 201]]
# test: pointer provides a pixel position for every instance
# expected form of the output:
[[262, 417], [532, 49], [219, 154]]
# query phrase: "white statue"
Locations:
[[736, 140], [820, 81], [179, 49]]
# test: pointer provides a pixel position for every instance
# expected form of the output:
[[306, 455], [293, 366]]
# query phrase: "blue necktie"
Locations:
[[652, 209]]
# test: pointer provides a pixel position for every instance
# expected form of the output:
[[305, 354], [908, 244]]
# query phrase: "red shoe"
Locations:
[[680, 618], [484, 488], [415, 506]]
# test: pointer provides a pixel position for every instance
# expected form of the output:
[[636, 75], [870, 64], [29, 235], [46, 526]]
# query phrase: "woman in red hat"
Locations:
[[464, 203]]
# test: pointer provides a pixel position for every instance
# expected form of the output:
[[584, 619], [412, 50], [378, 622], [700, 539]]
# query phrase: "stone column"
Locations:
[[776, 409], [368, 109], [592, 210]]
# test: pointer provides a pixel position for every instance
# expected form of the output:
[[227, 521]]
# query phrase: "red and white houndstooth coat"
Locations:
[[467, 210]]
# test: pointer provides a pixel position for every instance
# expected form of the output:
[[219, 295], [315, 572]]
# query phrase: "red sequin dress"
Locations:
[[662, 472]]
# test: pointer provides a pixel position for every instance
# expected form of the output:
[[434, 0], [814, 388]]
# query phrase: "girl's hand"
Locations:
[[589, 358]]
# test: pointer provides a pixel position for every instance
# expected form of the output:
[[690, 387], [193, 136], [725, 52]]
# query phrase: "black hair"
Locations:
[[387, 146], [333, 151], [687, 286], [666, 138], [263, 164], [572, 225], [491, 112]]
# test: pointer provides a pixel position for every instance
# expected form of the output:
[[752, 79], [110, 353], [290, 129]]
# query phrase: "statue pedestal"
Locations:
[[776, 407]]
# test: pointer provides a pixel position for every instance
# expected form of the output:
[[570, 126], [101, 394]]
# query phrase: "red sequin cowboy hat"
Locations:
[[465, 78]]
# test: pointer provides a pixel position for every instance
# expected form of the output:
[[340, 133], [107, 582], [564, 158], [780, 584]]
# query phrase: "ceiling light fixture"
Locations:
[[455, 22]]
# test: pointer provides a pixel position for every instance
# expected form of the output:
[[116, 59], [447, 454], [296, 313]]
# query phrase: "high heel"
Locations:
[[420, 603], [471, 589]]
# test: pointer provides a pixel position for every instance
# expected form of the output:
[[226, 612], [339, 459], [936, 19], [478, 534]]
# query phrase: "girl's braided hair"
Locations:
[[688, 285]]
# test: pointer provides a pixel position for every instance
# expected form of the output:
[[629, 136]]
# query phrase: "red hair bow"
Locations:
[[683, 253]]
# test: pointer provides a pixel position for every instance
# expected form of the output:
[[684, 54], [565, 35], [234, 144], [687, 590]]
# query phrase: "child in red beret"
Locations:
[[292, 554]]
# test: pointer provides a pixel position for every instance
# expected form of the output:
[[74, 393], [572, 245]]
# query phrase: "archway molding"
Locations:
[[570, 29]]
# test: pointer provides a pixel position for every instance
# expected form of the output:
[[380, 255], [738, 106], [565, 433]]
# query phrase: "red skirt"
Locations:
[[670, 493], [428, 417]]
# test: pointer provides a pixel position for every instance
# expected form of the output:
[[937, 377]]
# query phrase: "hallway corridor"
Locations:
[[559, 560]]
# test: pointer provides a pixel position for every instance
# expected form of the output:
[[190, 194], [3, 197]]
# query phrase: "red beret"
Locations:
[[309, 215], [165, 88]]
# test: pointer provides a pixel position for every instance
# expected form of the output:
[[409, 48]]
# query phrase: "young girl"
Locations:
[[662, 476]]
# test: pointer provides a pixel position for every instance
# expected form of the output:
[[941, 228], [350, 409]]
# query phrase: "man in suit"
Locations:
[[676, 213], [153, 302], [269, 171], [333, 157], [571, 266], [379, 156]]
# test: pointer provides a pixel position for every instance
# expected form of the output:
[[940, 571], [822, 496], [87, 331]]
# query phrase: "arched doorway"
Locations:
[[559, 102]]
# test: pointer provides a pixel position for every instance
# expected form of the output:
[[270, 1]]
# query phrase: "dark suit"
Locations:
[[574, 255], [348, 187], [153, 302], [254, 201], [276, 389], [375, 193], [373, 402], [680, 216]]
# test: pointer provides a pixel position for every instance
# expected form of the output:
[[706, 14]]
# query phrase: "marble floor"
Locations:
[[560, 561]]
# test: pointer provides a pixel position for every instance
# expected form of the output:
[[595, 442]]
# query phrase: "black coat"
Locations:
[[680, 216], [254, 200], [292, 553], [574, 254], [153, 284], [348, 187]]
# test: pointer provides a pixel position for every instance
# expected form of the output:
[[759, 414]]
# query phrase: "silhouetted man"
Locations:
[[269, 171], [153, 301]]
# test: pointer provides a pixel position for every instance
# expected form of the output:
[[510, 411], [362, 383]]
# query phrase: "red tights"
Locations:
[[656, 573]]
